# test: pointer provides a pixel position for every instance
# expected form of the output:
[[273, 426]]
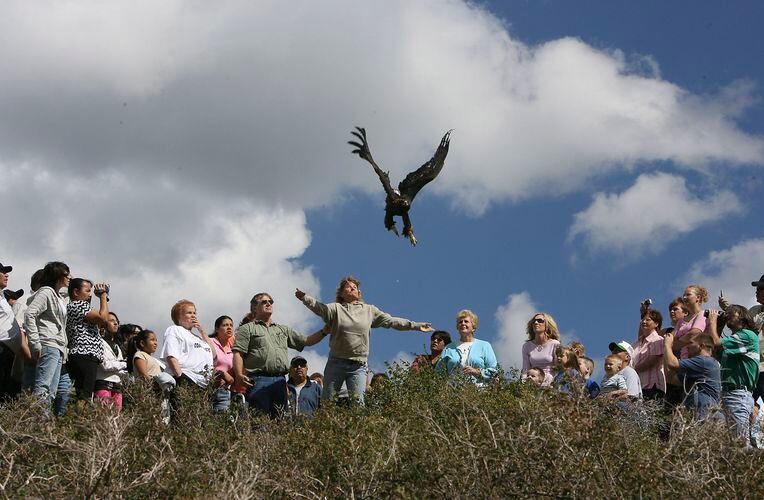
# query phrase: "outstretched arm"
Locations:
[[325, 312], [383, 320]]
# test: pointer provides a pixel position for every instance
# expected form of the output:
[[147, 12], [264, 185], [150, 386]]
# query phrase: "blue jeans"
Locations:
[[47, 373], [737, 405], [62, 392], [221, 399], [337, 371], [268, 395]]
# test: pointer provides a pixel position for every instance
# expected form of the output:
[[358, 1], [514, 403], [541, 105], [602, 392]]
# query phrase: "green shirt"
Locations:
[[264, 347], [740, 359]]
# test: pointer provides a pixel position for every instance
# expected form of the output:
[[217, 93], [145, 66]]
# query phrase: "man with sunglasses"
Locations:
[[304, 394], [260, 357]]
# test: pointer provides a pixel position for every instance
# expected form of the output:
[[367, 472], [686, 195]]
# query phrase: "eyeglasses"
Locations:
[[299, 364], [539, 320], [266, 301]]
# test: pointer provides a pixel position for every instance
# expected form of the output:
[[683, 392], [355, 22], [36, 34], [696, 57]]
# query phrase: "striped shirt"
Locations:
[[653, 377]]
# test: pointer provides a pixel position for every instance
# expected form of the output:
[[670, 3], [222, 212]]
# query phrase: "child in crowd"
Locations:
[[566, 369], [613, 380], [699, 374], [140, 361], [586, 368], [578, 347], [536, 376]]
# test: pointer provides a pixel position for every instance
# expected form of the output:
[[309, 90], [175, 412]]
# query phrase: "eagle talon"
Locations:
[[394, 230], [412, 239]]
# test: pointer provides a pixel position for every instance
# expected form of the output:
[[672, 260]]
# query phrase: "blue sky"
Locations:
[[603, 152]]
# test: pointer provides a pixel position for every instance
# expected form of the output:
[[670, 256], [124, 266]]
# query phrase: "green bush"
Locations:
[[419, 436]]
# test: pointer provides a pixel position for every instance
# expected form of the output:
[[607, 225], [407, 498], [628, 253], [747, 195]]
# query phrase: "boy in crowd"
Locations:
[[586, 368], [614, 382], [633, 384], [699, 374], [535, 375]]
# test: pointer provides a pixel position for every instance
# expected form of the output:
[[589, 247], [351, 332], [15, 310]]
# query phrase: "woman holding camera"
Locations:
[[82, 322], [694, 323]]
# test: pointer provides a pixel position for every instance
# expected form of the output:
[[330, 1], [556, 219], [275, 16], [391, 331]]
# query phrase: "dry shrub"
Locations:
[[419, 436]]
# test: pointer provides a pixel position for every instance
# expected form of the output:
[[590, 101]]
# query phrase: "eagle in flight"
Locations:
[[398, 201]]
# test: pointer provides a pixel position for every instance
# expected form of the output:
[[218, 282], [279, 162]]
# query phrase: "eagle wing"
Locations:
[[362, 150], [416, 180]]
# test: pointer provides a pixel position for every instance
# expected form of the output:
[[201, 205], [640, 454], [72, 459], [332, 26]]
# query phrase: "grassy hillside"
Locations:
[[418, 437]]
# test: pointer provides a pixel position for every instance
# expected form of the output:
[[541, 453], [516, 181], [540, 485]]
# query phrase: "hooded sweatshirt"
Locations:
[[45, 321]]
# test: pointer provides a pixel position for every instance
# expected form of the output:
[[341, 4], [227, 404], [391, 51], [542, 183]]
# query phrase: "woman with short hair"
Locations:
[[647, 358], [539, 350], [190, 358], [469, 356]]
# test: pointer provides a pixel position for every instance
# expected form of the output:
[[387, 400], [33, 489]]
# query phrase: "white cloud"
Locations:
[[731, 270], [157, 245], [512, 318], [173, 147], [250, 98], [656, 210]]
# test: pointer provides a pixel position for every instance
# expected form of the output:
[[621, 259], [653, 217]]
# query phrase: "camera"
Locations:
[[646, 303], [721, 318]]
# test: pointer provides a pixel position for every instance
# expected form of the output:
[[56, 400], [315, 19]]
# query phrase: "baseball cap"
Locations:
[[298, 360], [11, 295], [621, 346], [7, 269], [753, 283]]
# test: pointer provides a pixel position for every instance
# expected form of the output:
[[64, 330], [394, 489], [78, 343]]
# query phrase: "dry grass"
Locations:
[[419, 437]]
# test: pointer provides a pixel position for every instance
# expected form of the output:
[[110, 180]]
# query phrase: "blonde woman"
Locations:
[[539, 350], [469, 356], [694, 323]]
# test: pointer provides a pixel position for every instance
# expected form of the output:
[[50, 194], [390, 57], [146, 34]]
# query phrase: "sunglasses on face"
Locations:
[[539, 320], [266, 301], [299, 365]]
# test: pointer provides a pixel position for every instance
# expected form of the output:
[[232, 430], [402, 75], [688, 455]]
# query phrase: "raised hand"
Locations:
[[299, 294]]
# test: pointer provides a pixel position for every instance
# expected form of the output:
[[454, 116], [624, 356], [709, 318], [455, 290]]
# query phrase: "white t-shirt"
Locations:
[[464, 350], [633, 384], [193, 354], [9, 327]]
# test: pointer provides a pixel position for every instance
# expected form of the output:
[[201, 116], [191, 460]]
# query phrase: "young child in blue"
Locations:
[[586, 368], [613, 380], [700, 374]]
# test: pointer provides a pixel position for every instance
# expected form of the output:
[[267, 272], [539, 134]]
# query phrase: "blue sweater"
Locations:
[[481, 356]]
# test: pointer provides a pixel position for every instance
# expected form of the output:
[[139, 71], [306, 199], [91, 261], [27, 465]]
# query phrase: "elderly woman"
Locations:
[[350, 321], [470, 356], [438, 341], [190, 358], [539, 350], [647, 359]]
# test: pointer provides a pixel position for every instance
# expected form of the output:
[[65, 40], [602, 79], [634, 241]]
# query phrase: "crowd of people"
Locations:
[[54, 342]]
